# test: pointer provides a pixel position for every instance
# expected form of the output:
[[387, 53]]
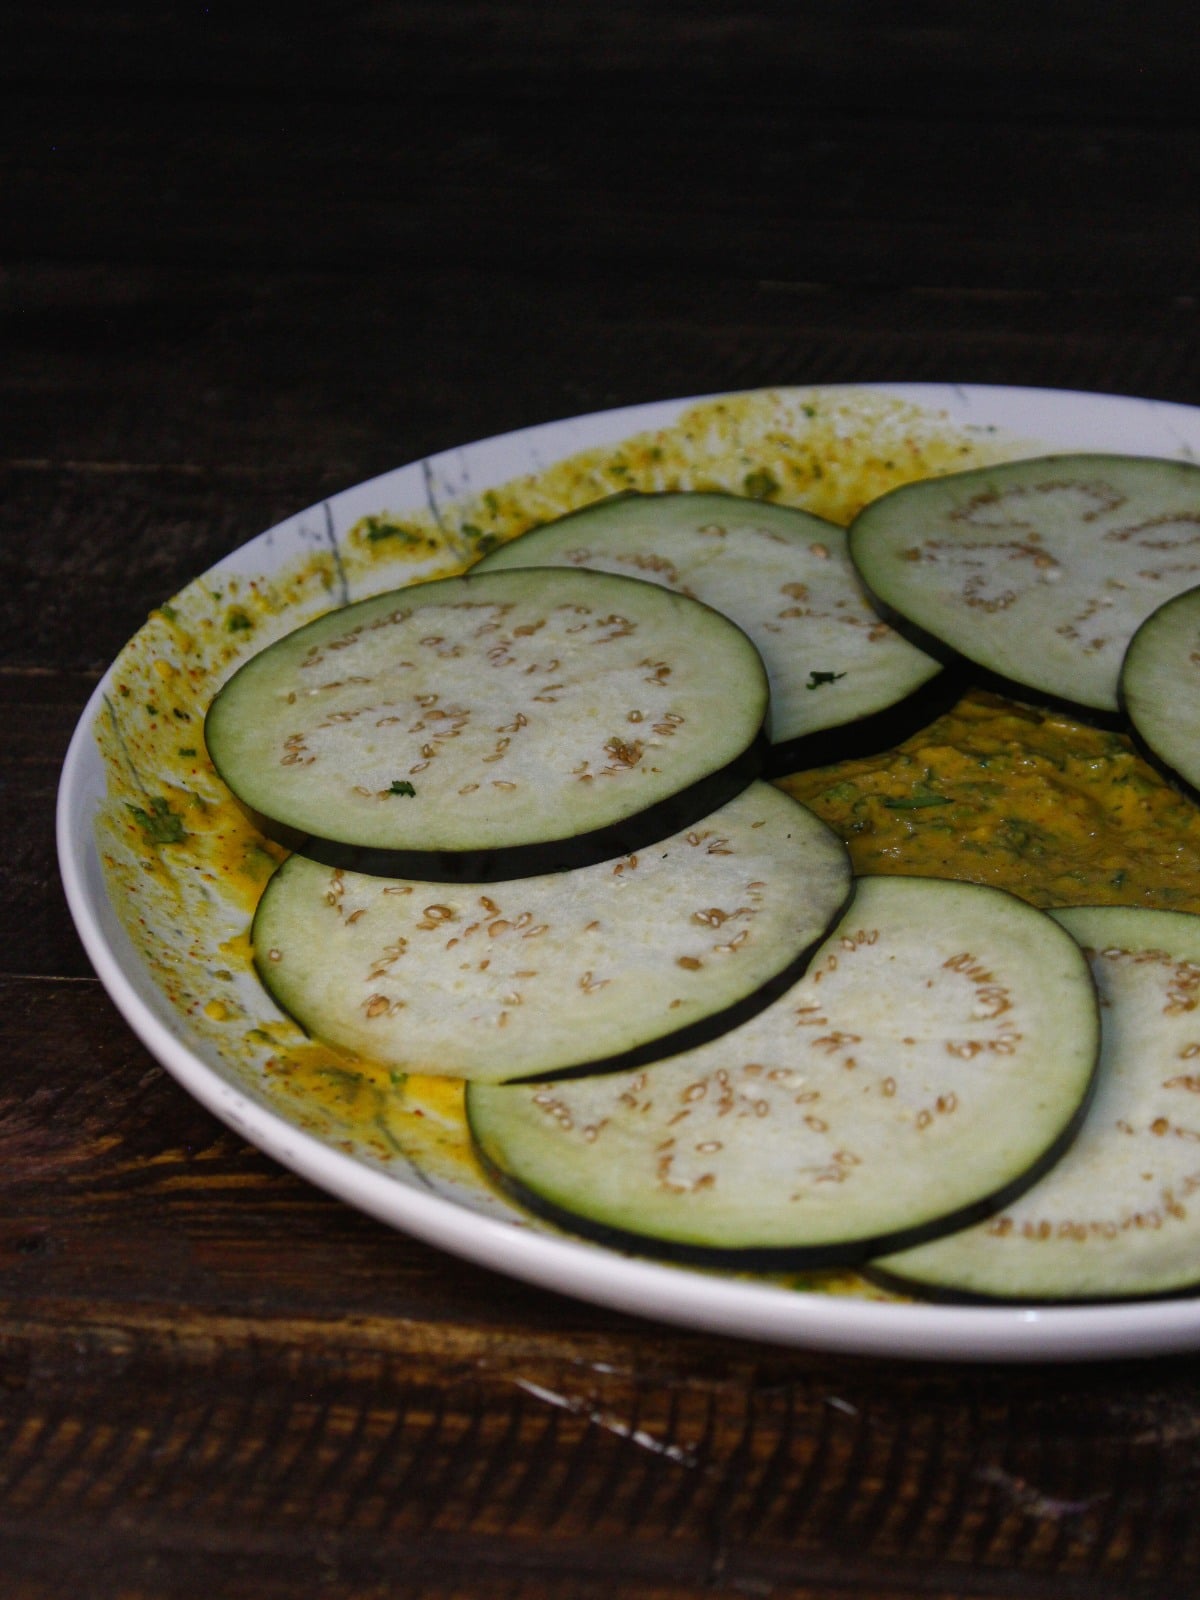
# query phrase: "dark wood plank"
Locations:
[[311, 381], [38, 711], [95, 546], [1022, 60], [763, 190], [120, 1191]]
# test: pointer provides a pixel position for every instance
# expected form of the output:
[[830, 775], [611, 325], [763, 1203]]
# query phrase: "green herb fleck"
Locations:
[[258, 863], [238, 621], [921, 797], [401, 786], [483, 540], [343, 1077], [377, 529], [761, 484], [817, 679], [160, 824], [187, 750]]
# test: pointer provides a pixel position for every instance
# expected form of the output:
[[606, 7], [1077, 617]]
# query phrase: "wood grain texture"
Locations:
[[1016, 58], [781, 194], [221, 370], [287, 1445], [248, 258]]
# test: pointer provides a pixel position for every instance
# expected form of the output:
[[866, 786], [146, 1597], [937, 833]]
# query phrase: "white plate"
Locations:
[[841, 443]]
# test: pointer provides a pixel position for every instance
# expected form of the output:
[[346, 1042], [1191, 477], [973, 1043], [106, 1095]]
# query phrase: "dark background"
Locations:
[[250, 255], [290, 249]]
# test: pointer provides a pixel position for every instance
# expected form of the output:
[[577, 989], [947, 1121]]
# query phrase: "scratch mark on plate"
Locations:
[[431, 499], [331, 538]]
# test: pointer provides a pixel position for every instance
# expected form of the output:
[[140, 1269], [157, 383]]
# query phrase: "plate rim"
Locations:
[[682, 1296]]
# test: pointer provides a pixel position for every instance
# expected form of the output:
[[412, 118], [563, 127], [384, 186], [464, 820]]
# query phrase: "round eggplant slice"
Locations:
[[611, 964], [1036, 571], [932, 1062], [494, 725], [1160, 688], [843, 683], [1119, 1216]]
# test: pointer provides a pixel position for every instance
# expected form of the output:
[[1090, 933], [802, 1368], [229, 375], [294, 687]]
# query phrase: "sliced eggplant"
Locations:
[[1038, 571], [614, 963], [1160, 688], [1119, 1216], [495, 725], [933, 1062], [843, 683]]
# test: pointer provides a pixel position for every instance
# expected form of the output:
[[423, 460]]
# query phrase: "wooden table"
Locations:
[[249, 259]]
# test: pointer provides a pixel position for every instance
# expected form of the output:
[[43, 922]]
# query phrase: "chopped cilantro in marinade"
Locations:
[[160, 824], [921, 797]]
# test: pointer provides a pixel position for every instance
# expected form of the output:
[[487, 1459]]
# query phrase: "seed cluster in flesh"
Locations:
[[488, 711], [781, 574], [907, 1075], [1118, 1214], [1040, 571], [536, 974]]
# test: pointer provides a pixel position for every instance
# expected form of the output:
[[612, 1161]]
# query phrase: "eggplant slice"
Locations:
[[935, 1059], [1119, 1216], [1038, 572], [611, 964], [843, 683], [495, 725], [1160, 689]]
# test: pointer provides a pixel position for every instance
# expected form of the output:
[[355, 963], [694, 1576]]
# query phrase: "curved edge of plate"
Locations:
[[681, 1296]]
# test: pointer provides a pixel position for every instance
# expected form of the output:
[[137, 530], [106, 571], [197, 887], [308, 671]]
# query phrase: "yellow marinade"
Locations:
[[1022, 799]]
